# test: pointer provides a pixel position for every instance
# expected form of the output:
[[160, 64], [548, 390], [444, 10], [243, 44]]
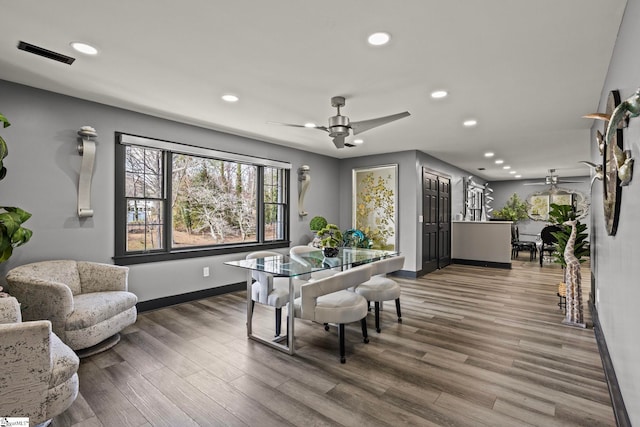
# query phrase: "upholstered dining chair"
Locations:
[[38, 372], [88, 303], [327, 301], [380, 287], [269, 290]]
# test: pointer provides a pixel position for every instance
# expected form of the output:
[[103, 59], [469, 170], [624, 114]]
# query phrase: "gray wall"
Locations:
[[42, 178], [529, 229], [615, 264], [410, 164]]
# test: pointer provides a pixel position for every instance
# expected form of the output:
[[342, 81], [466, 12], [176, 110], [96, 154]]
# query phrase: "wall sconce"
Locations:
[[305, 179], [87, 149]]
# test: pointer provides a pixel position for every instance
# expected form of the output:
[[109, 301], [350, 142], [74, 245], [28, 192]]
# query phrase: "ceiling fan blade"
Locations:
[[339, 141], [535, 183], [364, 125], [299, 126]]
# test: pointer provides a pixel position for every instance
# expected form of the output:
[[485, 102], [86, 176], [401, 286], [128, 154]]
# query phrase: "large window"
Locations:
[[178, 201]]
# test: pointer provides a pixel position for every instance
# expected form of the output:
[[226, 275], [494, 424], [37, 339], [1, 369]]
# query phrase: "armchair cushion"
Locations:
[[95, 307], [64, 361]]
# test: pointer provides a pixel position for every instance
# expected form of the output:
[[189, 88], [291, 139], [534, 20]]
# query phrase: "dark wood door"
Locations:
[[444, 222], [429, 222]]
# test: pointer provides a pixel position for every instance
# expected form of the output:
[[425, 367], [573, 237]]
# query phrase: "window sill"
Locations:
[[142, 258]]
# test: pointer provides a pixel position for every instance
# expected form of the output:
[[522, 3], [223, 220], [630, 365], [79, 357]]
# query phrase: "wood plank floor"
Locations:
[[477, 346]]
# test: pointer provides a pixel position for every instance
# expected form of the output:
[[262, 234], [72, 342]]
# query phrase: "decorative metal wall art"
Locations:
[[617, 163]]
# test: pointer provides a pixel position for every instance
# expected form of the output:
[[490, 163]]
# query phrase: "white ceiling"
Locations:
[[526, 70]]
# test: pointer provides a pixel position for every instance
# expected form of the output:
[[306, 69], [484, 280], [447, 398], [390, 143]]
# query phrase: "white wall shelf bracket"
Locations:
[[87, 149]]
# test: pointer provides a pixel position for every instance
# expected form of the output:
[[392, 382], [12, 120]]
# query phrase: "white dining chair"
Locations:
[[380, 287], [327, 301], [269, 290]]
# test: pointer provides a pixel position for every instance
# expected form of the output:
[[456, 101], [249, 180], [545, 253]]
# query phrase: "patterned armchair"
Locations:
[[38, 372], [87, 303]]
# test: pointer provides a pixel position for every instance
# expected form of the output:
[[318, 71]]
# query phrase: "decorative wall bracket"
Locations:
[[87, 149], [304, 179]]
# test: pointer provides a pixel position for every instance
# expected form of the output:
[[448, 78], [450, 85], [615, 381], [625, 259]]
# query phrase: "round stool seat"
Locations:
[[379, 288]]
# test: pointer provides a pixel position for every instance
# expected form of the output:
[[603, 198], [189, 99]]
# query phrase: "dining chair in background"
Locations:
[[380, 287]]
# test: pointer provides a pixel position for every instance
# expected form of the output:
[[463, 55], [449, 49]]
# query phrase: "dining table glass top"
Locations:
[[292, 266]]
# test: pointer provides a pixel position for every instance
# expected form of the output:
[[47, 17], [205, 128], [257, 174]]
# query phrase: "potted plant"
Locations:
[[559, 214], [12, 233], [330, 239], [514, 210], [316, 224]]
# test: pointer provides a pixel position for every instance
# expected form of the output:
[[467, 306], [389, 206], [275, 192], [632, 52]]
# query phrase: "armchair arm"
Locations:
[[10, 310], [97, 277], [42, 299], [25, 368]]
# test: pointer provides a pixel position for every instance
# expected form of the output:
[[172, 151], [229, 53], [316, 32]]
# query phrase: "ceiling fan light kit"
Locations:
[[340, 126]]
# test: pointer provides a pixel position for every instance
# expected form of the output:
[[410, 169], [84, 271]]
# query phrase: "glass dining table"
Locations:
[[300, 266]]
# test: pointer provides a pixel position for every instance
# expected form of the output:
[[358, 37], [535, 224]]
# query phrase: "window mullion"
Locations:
[[260, 204], [167, 187]]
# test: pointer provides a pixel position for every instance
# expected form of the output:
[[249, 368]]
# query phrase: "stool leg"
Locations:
[[398, 310], [377, 308], [341, 338], [363, 323]]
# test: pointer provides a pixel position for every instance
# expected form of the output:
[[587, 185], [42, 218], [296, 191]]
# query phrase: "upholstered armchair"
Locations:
[[87, 303], [38, 372]]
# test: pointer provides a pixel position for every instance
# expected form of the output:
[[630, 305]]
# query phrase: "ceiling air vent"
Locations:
[[37, 50]]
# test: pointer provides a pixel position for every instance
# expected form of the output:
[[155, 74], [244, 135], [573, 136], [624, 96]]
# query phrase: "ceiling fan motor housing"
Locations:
[[338, 126]]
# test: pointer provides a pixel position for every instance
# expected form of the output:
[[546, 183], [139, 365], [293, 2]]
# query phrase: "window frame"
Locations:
[[124, 257]]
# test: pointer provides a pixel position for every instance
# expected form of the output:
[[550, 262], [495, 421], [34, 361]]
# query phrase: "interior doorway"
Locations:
[[436, 221]]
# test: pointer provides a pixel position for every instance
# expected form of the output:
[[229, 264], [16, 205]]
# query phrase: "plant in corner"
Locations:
[[514, 210], [12, 233], [559, 214], [330, 238]]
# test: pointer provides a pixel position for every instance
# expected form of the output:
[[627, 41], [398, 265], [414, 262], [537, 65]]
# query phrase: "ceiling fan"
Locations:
[[551, 179], [340, 125]]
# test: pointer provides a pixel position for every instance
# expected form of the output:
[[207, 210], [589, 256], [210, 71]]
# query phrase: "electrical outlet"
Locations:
[[205, 272]]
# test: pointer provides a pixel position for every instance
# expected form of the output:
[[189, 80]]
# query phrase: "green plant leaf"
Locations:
[[5, 121]]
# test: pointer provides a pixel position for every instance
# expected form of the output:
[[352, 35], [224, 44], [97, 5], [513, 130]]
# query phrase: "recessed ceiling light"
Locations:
[[506, 167], [358, 141], [379, 39], [499, 162], [518, 176], [513, 172], [489, 154], [470, 123], [230, 98], [309, 125], [439, 94], [84, 48]]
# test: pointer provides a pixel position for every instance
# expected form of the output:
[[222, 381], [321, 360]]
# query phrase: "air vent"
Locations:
[[37, 50]]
